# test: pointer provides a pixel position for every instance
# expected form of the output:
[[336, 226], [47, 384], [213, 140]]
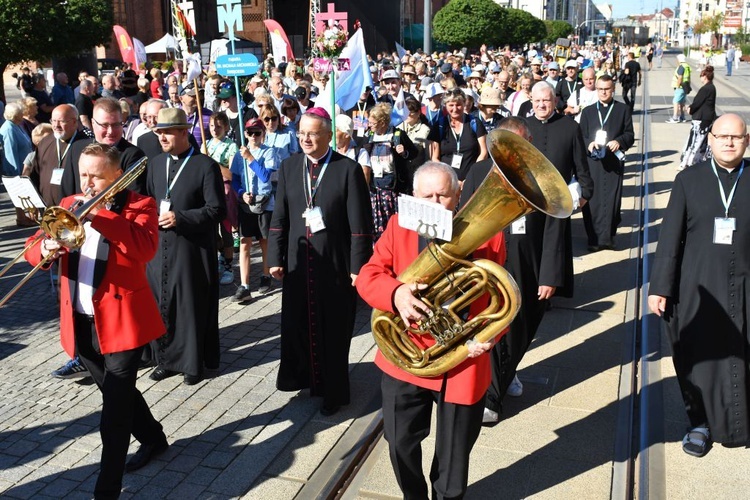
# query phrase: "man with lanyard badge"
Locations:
[[189, 191], [607, 129], [698, 288]]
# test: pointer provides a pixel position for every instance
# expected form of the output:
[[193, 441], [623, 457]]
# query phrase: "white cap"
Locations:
[[390, 74]]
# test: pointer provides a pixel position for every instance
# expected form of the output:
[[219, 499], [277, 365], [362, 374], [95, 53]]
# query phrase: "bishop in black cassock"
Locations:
[[601, 215], [318, 298], [698, 286]]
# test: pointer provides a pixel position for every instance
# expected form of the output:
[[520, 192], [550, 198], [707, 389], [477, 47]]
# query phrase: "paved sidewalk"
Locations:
[[721, 473]]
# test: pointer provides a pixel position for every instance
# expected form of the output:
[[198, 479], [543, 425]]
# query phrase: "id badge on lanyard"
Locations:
[[314, 219], [165, 205], [57, 175], [518, 226]]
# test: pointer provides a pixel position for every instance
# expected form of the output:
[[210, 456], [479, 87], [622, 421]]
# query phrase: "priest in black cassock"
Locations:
[[320, 236], [698, 286], [183, 275], [539, 247], [607, 128], [106, 120]]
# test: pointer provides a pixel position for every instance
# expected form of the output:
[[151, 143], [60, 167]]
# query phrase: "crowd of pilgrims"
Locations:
[[442, 91]]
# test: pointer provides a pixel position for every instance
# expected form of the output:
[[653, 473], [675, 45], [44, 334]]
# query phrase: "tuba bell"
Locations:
[[521, 180]]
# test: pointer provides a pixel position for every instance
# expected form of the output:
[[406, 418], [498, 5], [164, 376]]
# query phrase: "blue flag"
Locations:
[[351, 84]]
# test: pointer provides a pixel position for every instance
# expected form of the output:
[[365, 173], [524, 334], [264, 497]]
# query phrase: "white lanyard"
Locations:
[[602, 122], [57, 143], [307, 180], [184, 162], [195, 122], [571, 90], [727, 201]]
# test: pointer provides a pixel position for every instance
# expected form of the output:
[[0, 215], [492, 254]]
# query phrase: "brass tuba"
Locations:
[[521, 180], [66, 225]]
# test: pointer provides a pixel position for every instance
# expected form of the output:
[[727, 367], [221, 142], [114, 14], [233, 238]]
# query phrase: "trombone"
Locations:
[[66, 225]]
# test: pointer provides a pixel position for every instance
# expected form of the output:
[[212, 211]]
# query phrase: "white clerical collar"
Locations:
[[317, 160]]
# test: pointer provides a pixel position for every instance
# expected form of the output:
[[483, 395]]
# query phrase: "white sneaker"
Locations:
[[515, 389], [490, 417]]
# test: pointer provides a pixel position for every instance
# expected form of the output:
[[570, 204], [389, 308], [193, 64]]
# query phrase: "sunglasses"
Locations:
[[254, 133], [455, 93], [270, 119]]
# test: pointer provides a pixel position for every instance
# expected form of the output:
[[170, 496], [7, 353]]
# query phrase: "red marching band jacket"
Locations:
[[125, 310], [377, 283]]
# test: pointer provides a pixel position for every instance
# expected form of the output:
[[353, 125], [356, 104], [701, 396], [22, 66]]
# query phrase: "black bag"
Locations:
[[259, 202], [687, 88], [624, 79]]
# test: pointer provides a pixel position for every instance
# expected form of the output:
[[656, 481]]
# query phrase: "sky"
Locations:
[[624, 8]]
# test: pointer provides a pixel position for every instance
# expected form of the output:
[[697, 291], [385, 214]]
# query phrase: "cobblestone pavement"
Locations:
[[224, 432]]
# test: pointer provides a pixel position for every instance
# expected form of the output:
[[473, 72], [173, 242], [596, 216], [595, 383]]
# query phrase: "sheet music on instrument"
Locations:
[[21, 187], [430, 220]]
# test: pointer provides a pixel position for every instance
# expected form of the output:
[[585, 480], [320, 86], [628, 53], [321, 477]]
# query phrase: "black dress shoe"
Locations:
[[191, 379], [161, 373], [594, 248], [144, 455], [328, 410]]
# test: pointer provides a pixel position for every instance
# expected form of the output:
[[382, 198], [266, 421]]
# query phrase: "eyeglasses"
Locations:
[[270, 119], [605, 89], [108, 126], [305, 135], [255, 133], [728, 137]]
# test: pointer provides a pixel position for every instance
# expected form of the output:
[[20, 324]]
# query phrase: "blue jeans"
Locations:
[[729, 67]]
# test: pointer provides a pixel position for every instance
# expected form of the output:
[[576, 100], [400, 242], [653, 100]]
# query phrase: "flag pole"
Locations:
[[332, 83], [200, 113]]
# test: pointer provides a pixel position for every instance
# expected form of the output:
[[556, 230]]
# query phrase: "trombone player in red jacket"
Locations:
[[107, 310]]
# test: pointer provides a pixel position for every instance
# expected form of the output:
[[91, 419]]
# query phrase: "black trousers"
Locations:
[[628, 95], [508, 352], [406, 420], [124, 411]]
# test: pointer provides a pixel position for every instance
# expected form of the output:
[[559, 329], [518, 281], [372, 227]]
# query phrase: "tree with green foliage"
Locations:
[[37, 30], [714, 24], [525, 27], [557, 29], [470, 23]]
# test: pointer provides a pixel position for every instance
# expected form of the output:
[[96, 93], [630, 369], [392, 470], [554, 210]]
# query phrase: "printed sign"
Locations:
[[237, 64], [324, 65]]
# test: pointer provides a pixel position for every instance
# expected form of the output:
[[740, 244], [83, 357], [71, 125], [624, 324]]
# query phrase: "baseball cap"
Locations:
[[571, 64], [389, 75], [553, 65], [446, 68], [254, 123], [226, 91]]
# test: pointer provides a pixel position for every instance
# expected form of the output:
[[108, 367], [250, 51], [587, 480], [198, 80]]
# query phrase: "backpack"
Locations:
[[443, 119]]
